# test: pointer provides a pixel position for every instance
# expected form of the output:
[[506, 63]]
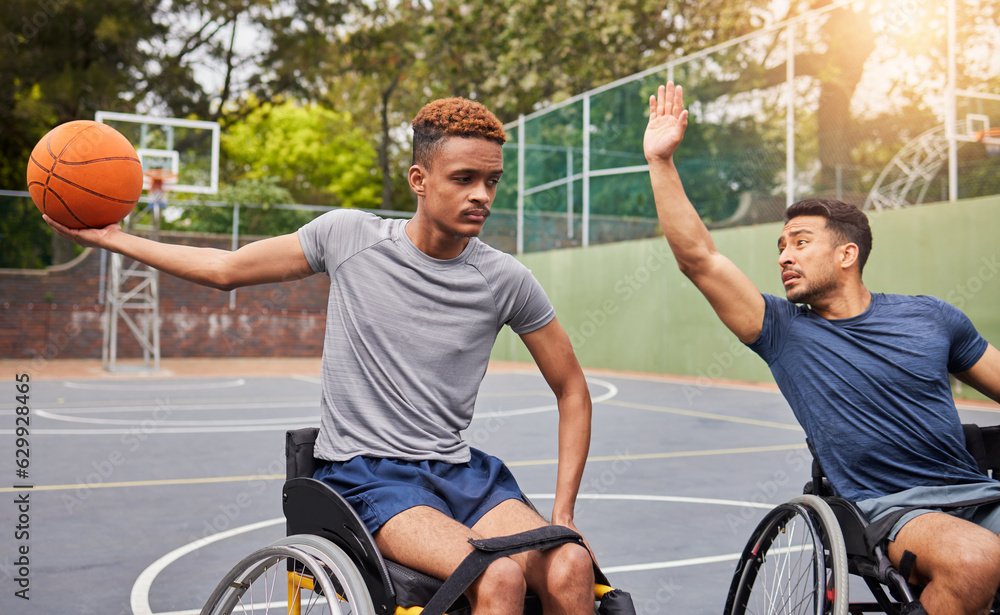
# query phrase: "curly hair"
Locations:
[[452, 117], [848, 223]]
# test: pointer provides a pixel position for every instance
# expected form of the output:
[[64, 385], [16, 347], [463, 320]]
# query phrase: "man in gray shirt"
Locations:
[[414, 310]]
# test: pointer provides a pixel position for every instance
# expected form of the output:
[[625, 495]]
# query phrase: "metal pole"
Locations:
[[586, 172], [951, 110], [790, 117], [520, 184], [235, 246], [569, 193]]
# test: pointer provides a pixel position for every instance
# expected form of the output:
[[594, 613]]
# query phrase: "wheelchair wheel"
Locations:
[[794, 563], [305, 575]]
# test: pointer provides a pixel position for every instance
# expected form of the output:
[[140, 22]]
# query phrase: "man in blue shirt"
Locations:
[[866, 374]]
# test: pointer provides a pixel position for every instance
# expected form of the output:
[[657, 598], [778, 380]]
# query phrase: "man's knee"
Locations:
[[501, 580], [984, 559], [570, 566]]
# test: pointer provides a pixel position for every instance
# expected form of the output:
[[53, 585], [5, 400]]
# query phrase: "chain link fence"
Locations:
[[877, 107]]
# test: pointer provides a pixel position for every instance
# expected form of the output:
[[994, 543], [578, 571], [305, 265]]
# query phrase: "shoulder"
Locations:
[[336, 235], [345, 218], [778, 307], [492, 263], [926, 304]]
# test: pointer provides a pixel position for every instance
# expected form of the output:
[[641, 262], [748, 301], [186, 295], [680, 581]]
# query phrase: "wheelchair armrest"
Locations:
[[312, 507], [852, 524]]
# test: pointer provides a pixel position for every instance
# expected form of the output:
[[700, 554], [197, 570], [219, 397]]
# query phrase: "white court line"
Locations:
[[156, 422], [612, 391], [695, 561], [142, 585], [182, 406], [127, 386], [140, 589], [153, 429]]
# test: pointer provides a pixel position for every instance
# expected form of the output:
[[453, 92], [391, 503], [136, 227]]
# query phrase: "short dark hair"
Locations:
[[848, 223], [452, 117]]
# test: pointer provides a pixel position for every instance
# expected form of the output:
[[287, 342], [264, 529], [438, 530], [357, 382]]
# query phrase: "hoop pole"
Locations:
[[790, 117], [521, 144], [951, 107]]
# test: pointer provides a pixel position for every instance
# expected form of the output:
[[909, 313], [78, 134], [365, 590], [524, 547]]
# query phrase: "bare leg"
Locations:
[[562, 577], [427, 540], [958, 562]]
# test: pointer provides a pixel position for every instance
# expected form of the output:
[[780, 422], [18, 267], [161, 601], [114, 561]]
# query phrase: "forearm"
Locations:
[[683, 228], [204, 266], [574, 445]]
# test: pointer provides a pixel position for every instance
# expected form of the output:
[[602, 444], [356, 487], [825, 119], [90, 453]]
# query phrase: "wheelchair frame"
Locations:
[[329, 556], [835, 529]]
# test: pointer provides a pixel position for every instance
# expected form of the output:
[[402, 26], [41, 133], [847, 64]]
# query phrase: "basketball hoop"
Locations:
[[157, 180], [991, 139]]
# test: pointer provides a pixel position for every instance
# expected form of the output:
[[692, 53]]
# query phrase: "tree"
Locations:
[[66, 59], [318, 155], [62, 61]]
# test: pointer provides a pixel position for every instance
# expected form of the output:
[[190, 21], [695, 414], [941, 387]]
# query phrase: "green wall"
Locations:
[[627, 307]]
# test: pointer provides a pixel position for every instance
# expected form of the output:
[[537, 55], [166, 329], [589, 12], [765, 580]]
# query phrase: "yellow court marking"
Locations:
[[533, 462], [707, 415], [668, 455]]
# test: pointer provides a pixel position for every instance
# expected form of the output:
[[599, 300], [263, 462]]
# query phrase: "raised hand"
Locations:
[[667, 122]]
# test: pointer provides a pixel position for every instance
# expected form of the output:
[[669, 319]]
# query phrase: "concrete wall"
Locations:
[[627, 307]]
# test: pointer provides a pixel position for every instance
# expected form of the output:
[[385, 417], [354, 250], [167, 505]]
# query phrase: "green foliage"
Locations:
[[316, 154], [25, 238], [257, 200]]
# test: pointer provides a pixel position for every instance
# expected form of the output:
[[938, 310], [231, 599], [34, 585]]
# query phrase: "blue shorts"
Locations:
[[379, 489], [987, 516]]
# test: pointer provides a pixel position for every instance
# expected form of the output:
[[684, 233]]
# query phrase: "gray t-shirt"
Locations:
[[408, 336]]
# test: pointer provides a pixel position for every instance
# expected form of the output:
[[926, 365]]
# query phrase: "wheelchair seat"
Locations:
[[312, 507]]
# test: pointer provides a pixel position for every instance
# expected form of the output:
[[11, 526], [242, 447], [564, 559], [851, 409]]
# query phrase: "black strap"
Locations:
[[876, 531], [489, 550], [906, 563]]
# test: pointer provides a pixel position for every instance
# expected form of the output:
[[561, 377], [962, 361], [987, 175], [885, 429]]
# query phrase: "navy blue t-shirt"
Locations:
[[872, 391]]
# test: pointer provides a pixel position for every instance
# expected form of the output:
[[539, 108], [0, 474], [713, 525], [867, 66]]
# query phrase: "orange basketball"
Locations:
[[84, 174]]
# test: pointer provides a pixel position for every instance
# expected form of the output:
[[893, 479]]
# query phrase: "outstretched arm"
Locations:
[[277, 259], [985, 374], [553, 353], [732, 295]]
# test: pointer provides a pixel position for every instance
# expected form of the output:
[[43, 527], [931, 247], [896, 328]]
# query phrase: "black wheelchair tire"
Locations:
[[803, 527]]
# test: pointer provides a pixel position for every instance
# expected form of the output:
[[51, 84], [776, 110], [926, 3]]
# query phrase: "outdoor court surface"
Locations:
[[148, 488]]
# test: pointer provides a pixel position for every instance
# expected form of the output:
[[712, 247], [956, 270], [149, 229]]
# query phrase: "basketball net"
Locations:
[[158, 182], [991, 139]]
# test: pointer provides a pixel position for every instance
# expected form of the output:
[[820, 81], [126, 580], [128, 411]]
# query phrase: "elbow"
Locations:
[[224, 283], [223, 278], [216, 282], [690, 267]]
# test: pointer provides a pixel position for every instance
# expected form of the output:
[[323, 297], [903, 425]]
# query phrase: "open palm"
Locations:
[[667, 122]]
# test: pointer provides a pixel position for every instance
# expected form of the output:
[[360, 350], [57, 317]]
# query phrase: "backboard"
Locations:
[[187, 148]]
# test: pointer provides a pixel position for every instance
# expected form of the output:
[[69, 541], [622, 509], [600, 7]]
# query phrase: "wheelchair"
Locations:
[[801, 555], [328, 563]]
